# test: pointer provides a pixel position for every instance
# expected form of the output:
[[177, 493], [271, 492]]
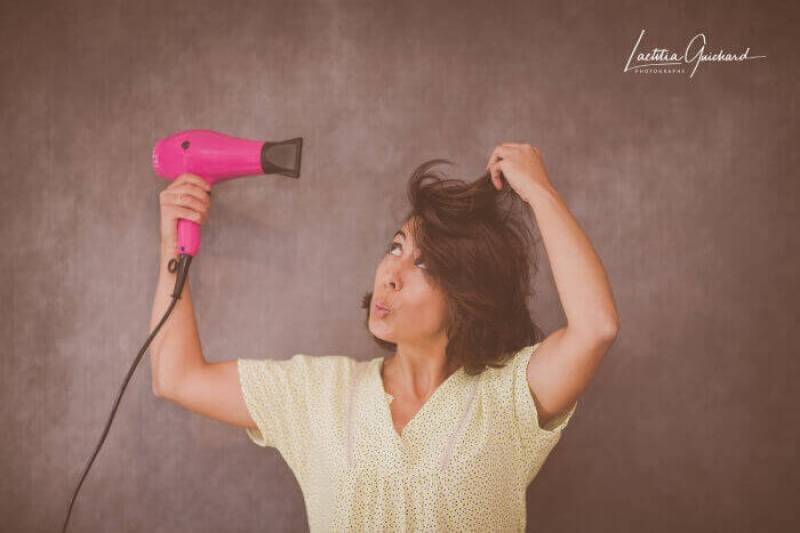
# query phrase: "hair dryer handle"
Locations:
[[188, 237]]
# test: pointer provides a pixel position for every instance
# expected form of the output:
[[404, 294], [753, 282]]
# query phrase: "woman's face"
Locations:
[[417, 307]]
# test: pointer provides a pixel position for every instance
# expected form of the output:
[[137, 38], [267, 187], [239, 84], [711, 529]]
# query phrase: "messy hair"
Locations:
[[482, 255]]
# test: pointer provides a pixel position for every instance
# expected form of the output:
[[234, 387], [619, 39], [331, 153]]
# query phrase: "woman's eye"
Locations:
[[397, 244]]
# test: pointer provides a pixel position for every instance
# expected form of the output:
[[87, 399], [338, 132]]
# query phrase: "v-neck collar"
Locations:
[[427, 406]]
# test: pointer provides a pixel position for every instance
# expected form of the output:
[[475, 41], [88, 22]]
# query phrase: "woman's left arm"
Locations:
[[567, 358]]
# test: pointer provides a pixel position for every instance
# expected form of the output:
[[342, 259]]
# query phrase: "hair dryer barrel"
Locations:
[[216, 157]]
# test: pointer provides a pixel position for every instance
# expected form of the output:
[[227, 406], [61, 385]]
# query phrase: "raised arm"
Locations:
[[180, 373], [568, 358]]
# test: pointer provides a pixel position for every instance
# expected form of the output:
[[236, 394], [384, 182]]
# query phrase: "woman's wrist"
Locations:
[[539, 192], [168, 249]]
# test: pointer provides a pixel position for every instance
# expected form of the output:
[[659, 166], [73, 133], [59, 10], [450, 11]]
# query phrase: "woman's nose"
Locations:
[[392, 279]]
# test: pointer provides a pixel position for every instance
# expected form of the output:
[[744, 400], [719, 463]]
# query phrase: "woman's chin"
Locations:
[[380, 331]]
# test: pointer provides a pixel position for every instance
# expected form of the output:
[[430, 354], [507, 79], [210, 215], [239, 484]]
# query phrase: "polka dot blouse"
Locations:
[[463, 463]]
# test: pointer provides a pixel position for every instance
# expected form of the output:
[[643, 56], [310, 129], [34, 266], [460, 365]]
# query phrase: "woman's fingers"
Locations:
[[193, 185], [187, 197], [190, 214], [494, 172], [195, 180], [190, 191], [500, 152], [190, 199], [180, 208]]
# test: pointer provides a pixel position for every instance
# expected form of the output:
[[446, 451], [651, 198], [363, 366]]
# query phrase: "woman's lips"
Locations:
[[380, 311]]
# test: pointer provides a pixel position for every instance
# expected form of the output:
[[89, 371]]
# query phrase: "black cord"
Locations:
[[182, 266]]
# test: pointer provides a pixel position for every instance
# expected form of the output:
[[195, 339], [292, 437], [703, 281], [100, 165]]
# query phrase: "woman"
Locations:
[[448, 431]]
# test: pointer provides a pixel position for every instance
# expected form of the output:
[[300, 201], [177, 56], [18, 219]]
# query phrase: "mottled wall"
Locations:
[[687, 187]]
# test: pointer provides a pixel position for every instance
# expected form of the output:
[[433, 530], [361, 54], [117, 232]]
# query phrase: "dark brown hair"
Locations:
[[481, 254]]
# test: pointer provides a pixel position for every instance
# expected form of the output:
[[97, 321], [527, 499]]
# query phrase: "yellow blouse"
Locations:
[[463, 463]]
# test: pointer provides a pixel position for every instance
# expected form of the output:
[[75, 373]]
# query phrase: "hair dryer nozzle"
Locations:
[[282, 157]]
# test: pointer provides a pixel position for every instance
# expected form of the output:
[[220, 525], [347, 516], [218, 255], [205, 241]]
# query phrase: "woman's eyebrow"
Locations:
[[402, 234]]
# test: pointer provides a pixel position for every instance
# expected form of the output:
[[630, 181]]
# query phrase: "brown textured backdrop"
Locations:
[[688, 189]]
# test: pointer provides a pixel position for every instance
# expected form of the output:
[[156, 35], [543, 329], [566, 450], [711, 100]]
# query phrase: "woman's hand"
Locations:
[[188, 197], [521, 165]]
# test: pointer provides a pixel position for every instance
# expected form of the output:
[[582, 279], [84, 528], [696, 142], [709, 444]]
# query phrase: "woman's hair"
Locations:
[[481, 255]]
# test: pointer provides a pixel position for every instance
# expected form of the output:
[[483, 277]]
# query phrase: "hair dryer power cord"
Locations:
[[182, 266]]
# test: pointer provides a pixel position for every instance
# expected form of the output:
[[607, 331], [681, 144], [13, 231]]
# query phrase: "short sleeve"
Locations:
[[278, 398], [537, 441]]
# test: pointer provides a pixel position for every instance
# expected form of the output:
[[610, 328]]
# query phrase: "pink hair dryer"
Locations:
[[218, 157]]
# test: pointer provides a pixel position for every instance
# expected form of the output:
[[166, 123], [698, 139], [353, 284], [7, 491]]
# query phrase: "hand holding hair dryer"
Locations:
[[218, 157]]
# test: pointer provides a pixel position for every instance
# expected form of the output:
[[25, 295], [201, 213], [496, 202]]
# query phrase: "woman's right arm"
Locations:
[[180, 373]]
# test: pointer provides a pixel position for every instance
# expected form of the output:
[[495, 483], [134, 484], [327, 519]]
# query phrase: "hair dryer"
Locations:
[[218, 157], [214, 157]]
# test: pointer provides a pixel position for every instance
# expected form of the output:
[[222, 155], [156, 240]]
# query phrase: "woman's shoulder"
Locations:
[[513, 367]]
